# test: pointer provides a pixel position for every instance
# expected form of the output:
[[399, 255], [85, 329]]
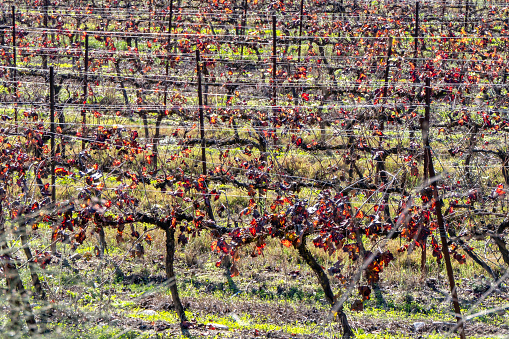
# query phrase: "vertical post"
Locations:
[[161, 115], [443, 12], [149, 16], [387, 68], [386, 80], [200, 109], [425, 123], [440, 219], [380, 165], [425, 140], [380, 162], [85, 94], [13, 16], [274, 62], [14, 57], [52, 130], [45, 35], [243, 28], [168, 51], [416, 53], [416, 34], [171, 279], [301, 17], [467, 7], [206, 197]]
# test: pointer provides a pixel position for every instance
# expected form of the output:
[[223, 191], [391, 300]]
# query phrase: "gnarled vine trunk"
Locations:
[[16, 293], [325, 283], [500, 242], [170, 274], [40, 293]]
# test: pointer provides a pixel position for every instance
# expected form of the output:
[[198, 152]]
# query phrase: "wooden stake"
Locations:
[[443, 12], [440, 219], [386, 81], [425, 140], [425, 126], [165, 99], [45, 35], [200, 108], [301, 17], [52, 130], [467, 7], [243, 28], [150, 16], [168, 51], [387, 69], [274, 62], [380, 164], [206, 197], [416, 34], [85, 94], [14, 57]]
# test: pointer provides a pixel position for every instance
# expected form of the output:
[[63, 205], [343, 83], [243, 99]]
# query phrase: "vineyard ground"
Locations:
[[274, 297], [350, 113]]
